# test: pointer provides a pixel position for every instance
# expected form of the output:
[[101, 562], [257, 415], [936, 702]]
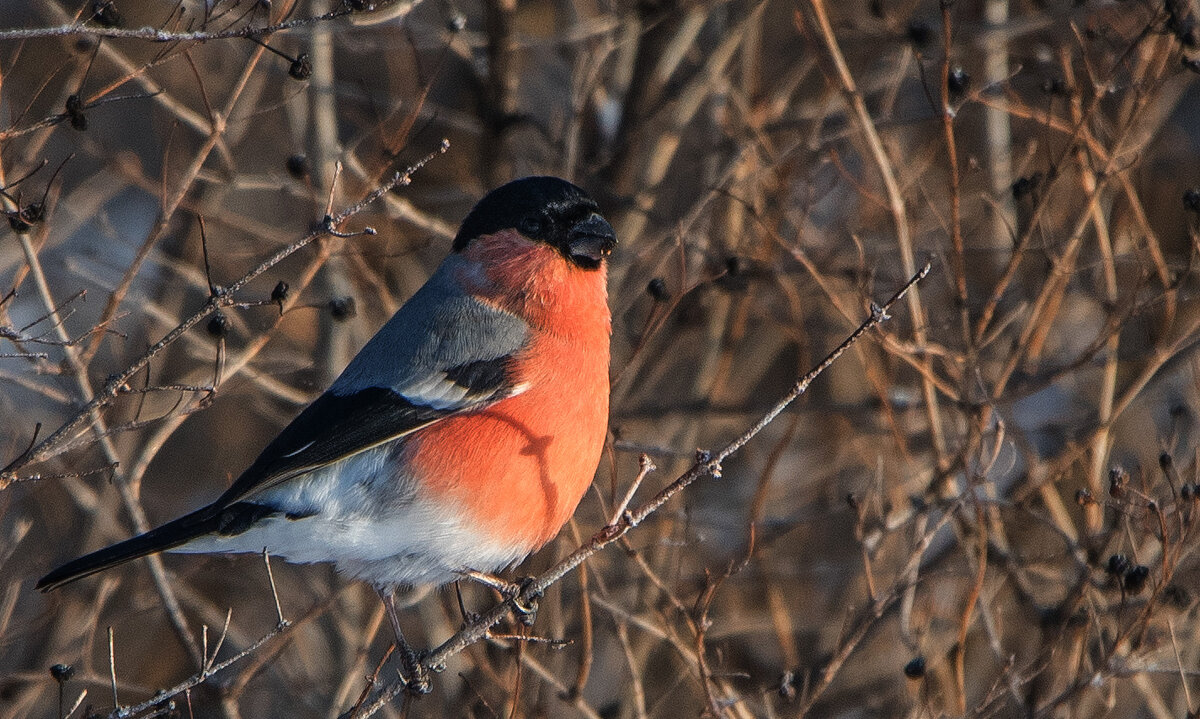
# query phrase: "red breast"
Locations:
[[520, 467]]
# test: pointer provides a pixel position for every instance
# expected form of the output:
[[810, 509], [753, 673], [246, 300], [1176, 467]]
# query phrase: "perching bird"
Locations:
[[460, 438]]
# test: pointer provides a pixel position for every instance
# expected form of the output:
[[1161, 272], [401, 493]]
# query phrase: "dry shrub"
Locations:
[[986, 508]]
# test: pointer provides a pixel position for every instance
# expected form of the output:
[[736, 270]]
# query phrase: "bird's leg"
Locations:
[[511, 591], [416, 678]]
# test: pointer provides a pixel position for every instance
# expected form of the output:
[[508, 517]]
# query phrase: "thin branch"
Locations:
[[154, 34], [195, 680]]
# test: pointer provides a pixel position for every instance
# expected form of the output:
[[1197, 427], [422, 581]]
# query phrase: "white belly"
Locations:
[[369, 524]]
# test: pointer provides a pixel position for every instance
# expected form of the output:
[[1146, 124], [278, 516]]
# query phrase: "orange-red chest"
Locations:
[[519, 467]]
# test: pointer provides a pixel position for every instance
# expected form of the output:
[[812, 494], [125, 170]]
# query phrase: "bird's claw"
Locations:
[[416, 676], [511, 592], [526, 608], [418, 685]]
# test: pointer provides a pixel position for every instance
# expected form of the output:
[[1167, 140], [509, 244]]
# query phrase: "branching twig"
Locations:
[[154, 34], [195, 680]]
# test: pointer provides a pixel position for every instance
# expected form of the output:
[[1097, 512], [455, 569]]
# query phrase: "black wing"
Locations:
[[337, 426]]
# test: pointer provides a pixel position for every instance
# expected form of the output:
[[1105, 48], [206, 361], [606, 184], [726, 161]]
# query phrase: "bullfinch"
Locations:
[[461, 437]]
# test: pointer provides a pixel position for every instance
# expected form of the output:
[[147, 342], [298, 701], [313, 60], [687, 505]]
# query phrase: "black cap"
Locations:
[[545, 209]]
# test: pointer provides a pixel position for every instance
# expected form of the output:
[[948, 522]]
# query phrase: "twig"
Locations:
[[78, 700], [112, 668], [1187, 694], [645, 467], [154, 34], [209, 659], [274, 592], [193, 681]]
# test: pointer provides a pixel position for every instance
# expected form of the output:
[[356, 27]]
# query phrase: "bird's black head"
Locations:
[[545, 209]]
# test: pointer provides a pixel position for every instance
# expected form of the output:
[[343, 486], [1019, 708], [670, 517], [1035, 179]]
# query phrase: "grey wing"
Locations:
[[443, 353]]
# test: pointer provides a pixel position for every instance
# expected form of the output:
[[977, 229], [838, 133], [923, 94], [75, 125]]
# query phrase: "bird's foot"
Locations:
[[527, 608], [511, 591], [416, 676]]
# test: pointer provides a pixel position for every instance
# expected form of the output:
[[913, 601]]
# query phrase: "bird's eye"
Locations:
[[531, 226]]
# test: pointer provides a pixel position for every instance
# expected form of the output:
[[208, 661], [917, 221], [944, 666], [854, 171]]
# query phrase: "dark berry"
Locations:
[[1135, 579], [1191, 199], [301, 68], [62, 672], [915, 669], [218, 325], [342, 308], [104, 12], [297, 166], [75, 113]]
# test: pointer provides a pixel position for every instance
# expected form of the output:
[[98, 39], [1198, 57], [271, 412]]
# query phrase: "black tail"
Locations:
[[233, 519]]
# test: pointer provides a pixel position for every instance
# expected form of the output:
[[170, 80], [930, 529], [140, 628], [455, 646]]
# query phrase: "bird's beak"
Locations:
[[591, 240]]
